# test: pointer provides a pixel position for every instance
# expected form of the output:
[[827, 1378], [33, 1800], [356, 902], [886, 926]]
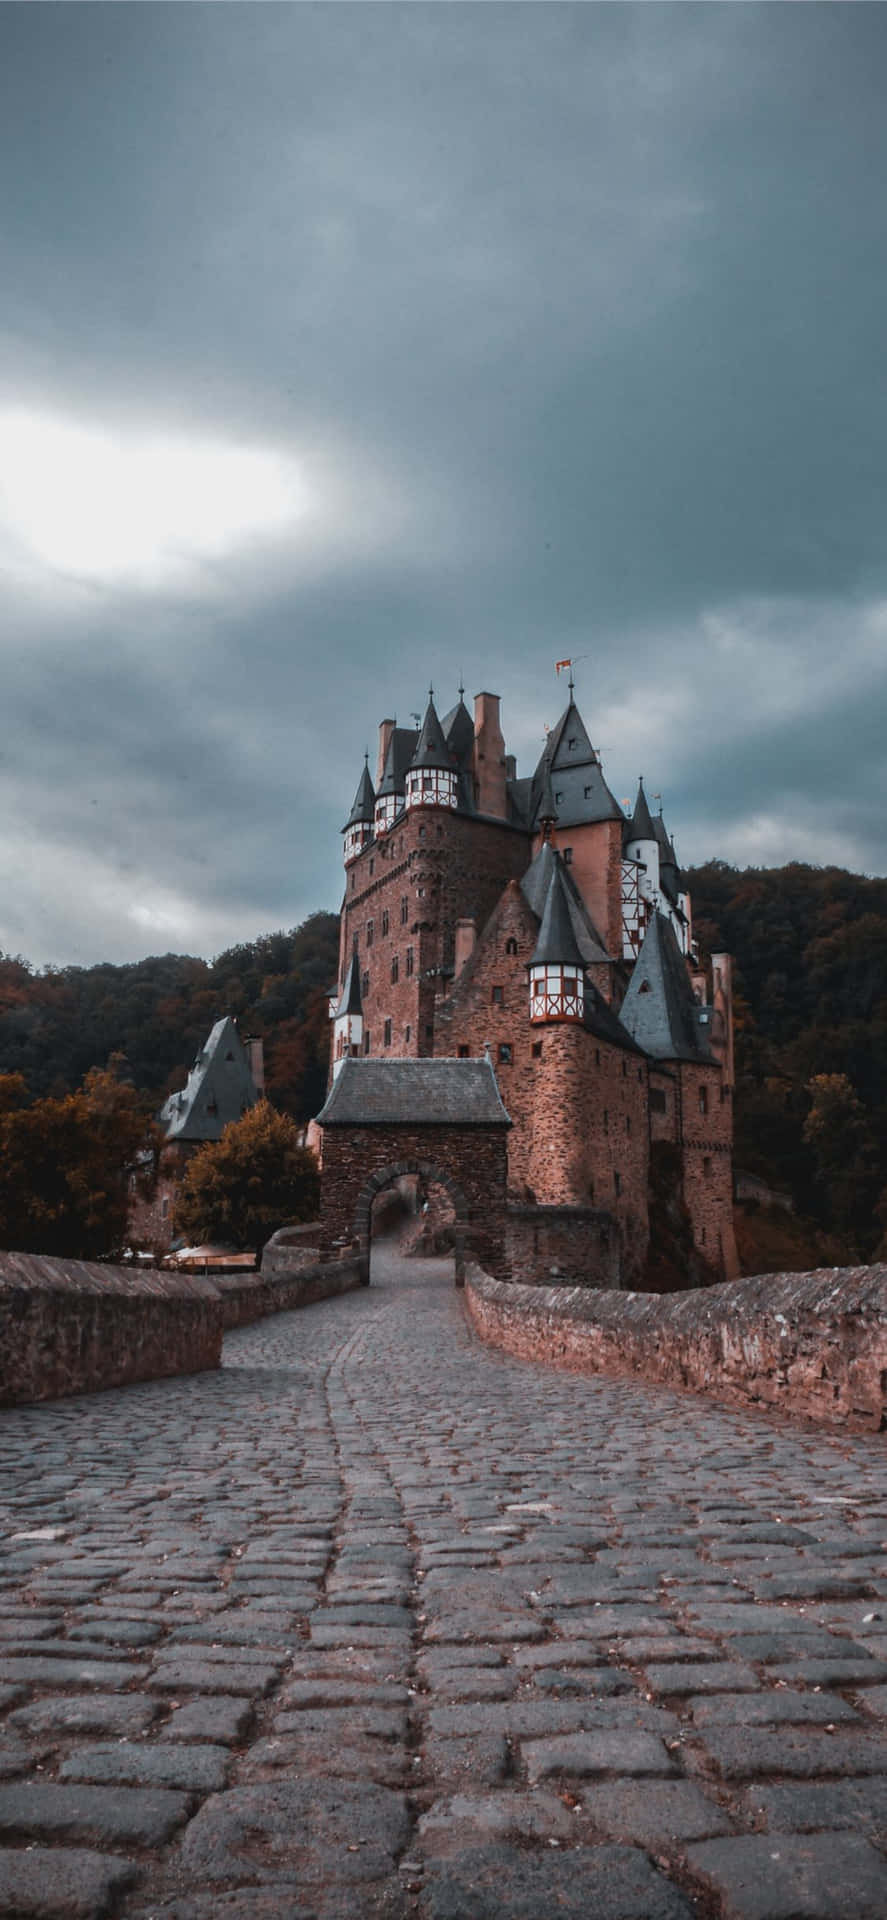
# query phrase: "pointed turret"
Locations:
[[432, 774], [659, 1010], [458, 731], [546, 811], [557, 972], [640, 826], [358, 828], [579, 791], [348, 1018], [391, 790]]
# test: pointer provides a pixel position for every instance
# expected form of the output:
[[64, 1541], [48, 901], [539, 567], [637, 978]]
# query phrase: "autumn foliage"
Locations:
[[238, 1190], [64, 1165]]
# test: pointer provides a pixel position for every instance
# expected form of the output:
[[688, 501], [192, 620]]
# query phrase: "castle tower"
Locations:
[[358, 828], [556, 970], [588, 822], [348, 1018], [431, 779]]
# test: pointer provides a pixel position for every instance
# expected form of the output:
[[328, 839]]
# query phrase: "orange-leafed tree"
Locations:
[[238, 1190]]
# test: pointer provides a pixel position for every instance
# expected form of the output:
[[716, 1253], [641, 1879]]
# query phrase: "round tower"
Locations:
[[358, 828], [556, 969]]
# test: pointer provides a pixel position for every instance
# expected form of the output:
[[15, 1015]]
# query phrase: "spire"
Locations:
[[458, 729], [557, 945], [641, 825], [392, 780], [364, 800], [580, 792], [432, 751]]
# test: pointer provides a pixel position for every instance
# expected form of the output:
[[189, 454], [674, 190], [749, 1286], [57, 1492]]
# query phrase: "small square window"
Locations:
[[568, 856], [463, 1053], [706, 1167], [504, 1053], [498, 996]]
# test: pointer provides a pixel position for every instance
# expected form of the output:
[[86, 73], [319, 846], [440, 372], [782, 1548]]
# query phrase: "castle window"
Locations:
[[511, 946], [355, 940], [407, 1034], [702, 1236], [537, 1049], [568, 856], [463, 1053], [395, 970], [386, 1033], [628, 1123], [498, 996], [164, 1208], [384, 919], [409, 960], [571, 744], [366, 1041], [557, 799], [606, 1120], [369, 933], [372, 866], [617, 1183], [421, 833], [504, 1053], [429, 1031], [644, 986], [364, 984], [597, 1056], [625, 1069], [404, 911], [703, 1099], [657, 1100]]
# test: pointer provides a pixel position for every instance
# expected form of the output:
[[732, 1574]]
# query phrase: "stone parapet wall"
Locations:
[[563, 1246], [252, 1296], [291, 1249], [71, 1326], [813, 1345]]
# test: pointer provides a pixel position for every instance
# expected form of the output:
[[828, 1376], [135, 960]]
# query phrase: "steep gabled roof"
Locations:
[[431, 747], [600, 1020], [219, 1089], [659, 1010], [364, 802], [419, 1093], [401, 748], [458, 731], [556, 944], [580, 792], [534, 887], [349, 999]]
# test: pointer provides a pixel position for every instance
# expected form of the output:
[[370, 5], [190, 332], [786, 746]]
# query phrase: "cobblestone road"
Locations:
[[380, 1622]]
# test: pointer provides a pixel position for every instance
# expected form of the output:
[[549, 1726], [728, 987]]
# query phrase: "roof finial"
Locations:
[[431, 693], [461, 685]]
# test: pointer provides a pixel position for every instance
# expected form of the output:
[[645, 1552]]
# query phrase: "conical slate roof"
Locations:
[[659, 1010], [557, 944], [580, 792], [364, 802], [641, 823], [546, 809], [535, 886], [668, 864], [401, 748], [432, 750], [349, 998]]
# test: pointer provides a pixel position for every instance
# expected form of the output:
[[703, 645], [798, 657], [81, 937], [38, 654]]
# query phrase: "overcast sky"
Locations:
[[344, 349]]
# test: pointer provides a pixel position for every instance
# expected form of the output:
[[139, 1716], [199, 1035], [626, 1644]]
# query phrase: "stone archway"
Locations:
[[427, 1170]]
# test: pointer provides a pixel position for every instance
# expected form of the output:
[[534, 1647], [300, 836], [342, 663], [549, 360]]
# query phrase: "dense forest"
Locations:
[[810, 951]]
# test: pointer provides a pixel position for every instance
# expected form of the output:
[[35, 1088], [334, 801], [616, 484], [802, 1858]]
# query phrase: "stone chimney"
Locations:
[[386, 729], [466, 940], [489, 756], [255, 1053]]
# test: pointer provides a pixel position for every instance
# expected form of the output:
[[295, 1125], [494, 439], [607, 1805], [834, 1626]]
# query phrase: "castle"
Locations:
[[531, 921]]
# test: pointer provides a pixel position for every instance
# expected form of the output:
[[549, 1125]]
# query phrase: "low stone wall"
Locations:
[[70, 1326], [812, 1345], [250, 1296], [292, 1248]]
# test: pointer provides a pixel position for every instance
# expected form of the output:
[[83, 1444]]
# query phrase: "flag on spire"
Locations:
[[559, 665]]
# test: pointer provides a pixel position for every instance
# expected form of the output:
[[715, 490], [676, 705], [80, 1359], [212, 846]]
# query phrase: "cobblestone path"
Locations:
[[379, 1622]]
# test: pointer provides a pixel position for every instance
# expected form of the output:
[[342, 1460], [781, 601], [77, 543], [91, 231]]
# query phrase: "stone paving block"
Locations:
[[454, 1764], [561, 1653], [70, 1713], [202, 1676], [620, 1751], [713, 1676], [300, 1756], [798, 1641], [251, 1903], [466, 1819], [774, 1707], [341, 1693], [821, 1804], [238, 1629], [831, 1673], [10, 1696], [113, 1816], [211, 1721], [661, 1814], [61, 1883], [299, 1832], [195, 1769], [743, 1753], [118, 1633], [825, 1876], [71, 1673], [509, 1883]]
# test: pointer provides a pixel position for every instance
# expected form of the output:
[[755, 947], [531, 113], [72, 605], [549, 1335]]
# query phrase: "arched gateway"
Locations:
[[441, 1119]]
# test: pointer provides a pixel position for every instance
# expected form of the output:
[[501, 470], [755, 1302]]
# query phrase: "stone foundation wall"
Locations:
[[251, 1296], [813, 1345], [563, 1246], [70, 1326]]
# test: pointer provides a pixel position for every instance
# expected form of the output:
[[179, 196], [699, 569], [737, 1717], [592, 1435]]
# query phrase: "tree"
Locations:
[[838, 1132], [64, 1167], [256, 1178]]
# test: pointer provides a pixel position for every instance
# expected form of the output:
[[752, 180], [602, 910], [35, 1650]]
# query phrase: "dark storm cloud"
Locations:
[[571, 321]]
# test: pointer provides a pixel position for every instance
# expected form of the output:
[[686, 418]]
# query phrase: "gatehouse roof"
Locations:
[[421, 1093]]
